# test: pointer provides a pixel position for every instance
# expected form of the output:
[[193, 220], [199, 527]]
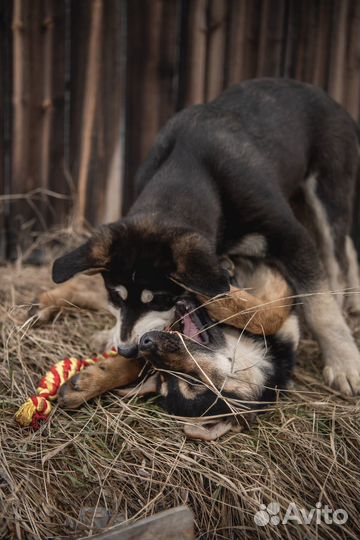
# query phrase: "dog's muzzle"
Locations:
[[129, 351]]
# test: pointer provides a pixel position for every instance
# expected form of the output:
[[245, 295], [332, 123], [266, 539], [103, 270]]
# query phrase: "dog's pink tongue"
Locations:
[[190, 329]]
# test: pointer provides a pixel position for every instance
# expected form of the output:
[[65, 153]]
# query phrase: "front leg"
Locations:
[[99, 378], [299, 260], [150, 386]]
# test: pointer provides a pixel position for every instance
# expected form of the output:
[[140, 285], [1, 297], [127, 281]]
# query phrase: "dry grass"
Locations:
[[133, 460]]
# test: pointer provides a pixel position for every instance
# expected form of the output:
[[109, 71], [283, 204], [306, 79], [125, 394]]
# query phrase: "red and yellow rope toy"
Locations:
[[38, 407]]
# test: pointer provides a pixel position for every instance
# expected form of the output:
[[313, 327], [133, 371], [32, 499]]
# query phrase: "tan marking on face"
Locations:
[[182, 247], [147, 296], [101, 246], [123, 293]]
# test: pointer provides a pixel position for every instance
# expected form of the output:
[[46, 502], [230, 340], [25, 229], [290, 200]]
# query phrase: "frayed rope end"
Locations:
[[34, 410]]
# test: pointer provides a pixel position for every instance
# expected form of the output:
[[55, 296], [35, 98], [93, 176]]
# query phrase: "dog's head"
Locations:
[[193, 361], [143, 266]]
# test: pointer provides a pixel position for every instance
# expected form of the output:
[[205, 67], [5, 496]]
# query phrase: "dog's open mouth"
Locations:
[[191, 321]]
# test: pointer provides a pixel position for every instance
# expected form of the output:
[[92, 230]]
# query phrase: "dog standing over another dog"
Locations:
[[266, 175]]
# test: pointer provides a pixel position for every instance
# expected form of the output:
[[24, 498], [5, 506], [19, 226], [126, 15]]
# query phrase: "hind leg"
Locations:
[[332, 211], [330, 216], [87, 292], [352, 299], [299, 259]]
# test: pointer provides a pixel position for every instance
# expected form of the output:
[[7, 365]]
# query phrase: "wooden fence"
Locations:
[[86, 84]]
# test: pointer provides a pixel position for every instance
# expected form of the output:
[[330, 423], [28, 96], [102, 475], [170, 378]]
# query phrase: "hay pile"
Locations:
[[126, 460]]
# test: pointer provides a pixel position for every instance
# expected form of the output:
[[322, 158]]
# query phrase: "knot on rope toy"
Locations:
[[38, 407]]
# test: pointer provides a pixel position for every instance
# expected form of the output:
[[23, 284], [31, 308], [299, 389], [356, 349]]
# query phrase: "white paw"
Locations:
[[345, 379]]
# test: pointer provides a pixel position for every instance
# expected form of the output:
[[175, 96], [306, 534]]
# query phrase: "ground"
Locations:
[[115, 460]]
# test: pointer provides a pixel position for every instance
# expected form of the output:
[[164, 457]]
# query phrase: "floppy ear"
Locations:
[[91, 257], [197, 266], [78, 260]]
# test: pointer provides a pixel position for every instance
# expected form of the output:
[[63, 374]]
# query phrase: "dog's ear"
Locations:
[[80, 260], [91, 257], [198, 267]]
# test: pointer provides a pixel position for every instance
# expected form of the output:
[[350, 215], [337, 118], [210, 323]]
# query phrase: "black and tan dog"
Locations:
[[204, 369], [265, 173]]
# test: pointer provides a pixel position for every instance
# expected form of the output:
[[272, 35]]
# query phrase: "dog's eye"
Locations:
[[147, 296], [122, 291]]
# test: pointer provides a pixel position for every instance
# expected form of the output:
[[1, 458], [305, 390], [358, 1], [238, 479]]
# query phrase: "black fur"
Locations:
[[228, 168]]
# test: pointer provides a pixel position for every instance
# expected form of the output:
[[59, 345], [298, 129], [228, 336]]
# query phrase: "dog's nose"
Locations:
[[147, 342], [129, 351]]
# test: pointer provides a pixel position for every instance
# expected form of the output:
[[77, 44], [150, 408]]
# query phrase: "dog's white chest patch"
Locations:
[[249, 361]]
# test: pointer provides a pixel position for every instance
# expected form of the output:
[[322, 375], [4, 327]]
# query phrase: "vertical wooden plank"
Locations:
[[47, 105], [95, 101], [37, 120], [90, 98], [322, 37], [252, 39], [5, 75], [77, 56], [236, 44], [169, 59], [271, 38], [216, 41], [196, 53], [19, 150], [28, 45], [352, 73], [304, 36], [338, 50], [97, 93], [292, 38], [111, 115], [151, 86], [136, 58], [55, 175]]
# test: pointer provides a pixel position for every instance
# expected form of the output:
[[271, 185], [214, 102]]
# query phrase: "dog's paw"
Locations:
[[89, 383], [44, 308], [115, 372], [352, 304], [207, 432], [344, 379]]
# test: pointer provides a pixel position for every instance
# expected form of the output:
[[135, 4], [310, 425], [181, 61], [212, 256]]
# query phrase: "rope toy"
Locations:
[[38, 407]]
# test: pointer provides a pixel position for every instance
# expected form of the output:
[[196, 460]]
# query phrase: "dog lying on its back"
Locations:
[[205, 369]]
